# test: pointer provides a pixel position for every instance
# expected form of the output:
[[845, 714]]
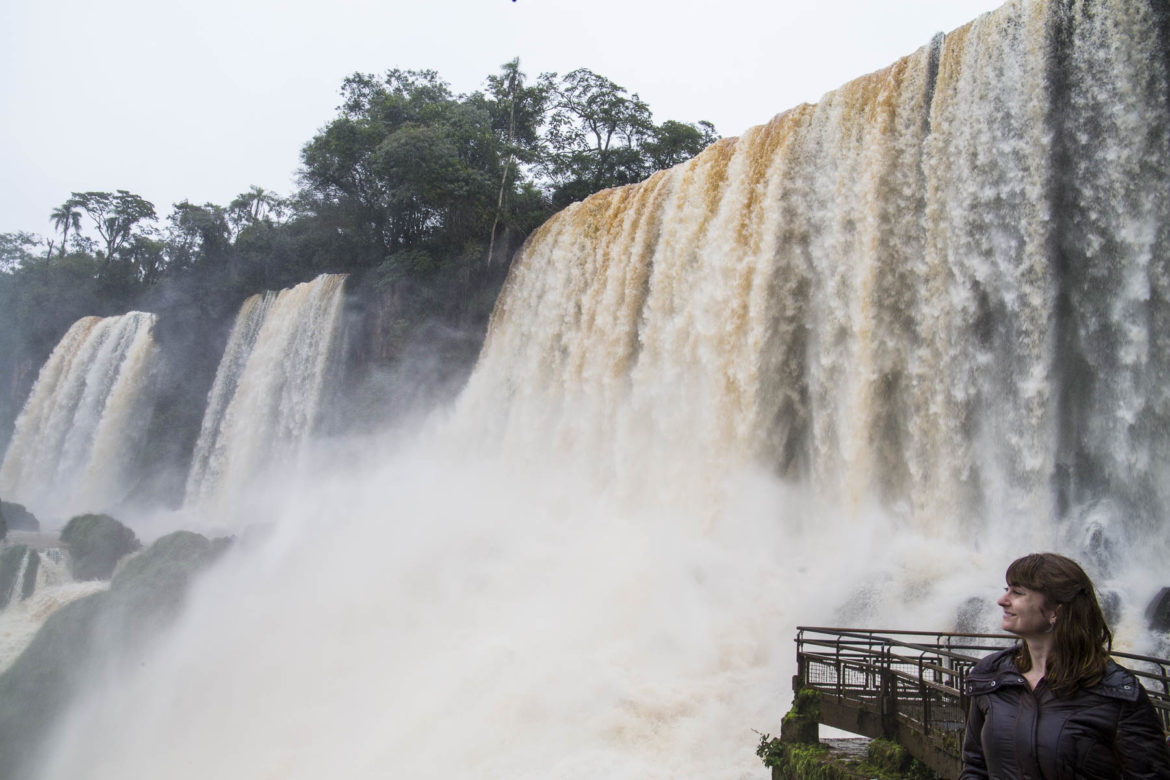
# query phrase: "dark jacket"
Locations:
[[1015, 733]]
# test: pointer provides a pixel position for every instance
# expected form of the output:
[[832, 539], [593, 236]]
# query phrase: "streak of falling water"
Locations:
[[75, 445]]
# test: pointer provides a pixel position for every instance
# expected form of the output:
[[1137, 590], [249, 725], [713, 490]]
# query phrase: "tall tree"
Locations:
[[406, 167], [254, 206], [519, 114], [64, 217], [595, 131], [114, 216]]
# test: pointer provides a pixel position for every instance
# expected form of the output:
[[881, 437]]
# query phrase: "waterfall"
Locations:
[[839, 370], [268, 389], [38, 585], [76, 443], [941, 288]]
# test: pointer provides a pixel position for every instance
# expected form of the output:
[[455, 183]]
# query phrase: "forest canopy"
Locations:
[[409, 186]]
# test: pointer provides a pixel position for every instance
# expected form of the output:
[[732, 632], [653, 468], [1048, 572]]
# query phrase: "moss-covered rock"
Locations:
[[884, 761], [115, 626], [889, 759], [96, 543], [802, 723]]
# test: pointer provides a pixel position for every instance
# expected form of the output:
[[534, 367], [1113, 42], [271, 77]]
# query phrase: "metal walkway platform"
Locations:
[[908, 685]]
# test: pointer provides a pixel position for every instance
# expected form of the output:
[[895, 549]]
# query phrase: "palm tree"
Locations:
[[64, 217]]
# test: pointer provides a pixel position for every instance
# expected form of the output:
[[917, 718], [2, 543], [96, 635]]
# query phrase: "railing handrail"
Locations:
[[876, 669]]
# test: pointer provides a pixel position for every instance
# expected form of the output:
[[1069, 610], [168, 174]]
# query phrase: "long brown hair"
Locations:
[[1082, 640]]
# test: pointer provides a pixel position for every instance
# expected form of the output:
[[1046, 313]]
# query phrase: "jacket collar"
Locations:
[[994, 672], [998, 671]]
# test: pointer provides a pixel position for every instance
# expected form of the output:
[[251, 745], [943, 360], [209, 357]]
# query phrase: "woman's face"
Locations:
[[1024, 612]]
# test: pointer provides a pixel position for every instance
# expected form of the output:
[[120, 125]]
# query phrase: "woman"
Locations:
[[1055, 706]]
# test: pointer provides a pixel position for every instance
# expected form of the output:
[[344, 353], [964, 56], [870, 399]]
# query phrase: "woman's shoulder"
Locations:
[[1117, 683], [997, 662], [993, 672]]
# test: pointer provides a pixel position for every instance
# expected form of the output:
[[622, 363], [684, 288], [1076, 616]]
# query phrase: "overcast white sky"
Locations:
[[199, 100]]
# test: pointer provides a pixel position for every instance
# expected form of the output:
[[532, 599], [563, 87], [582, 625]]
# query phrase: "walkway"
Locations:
[[908, 685]]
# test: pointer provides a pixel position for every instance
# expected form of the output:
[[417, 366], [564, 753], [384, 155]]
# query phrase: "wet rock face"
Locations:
[[1158, 611], [96, 543]]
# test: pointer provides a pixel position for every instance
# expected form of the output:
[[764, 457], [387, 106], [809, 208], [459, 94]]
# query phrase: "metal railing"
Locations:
[[908, 685]]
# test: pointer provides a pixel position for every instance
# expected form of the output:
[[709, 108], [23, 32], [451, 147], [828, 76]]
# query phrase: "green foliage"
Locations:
[[889, 759], [114, 215], [770, 750], [885, 761], [17, 249], [807, 701]]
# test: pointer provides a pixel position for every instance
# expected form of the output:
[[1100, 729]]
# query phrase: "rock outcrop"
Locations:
[[96, 543], [115, 626]]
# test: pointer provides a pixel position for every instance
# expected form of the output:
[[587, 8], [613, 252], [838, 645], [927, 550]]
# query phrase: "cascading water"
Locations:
[[39, 585], [265, 400], [76, 442], [841, 369]]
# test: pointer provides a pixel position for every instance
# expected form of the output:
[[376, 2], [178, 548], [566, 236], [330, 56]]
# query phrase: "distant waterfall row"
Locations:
[[945, 287], [78, 441]]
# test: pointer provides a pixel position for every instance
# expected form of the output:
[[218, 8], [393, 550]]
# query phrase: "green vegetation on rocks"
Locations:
[[96, 543], [885, 760], [105, 630], [799, 755]]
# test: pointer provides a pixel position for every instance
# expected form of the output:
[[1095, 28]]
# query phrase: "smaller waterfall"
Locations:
[[267, 392], [34, 583], [77, 440]]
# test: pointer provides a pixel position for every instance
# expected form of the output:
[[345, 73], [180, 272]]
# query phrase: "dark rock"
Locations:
[[116, 626], [1158, 611], [96, 543], [1110, 602], [18, 518]]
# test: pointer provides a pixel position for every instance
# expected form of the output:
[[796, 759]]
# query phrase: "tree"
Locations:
[[521, 140], [595, 132], [17, 250], [672, 142], [64, 217], [252, 207], [114, 216], [406, 163], [198, 236]]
